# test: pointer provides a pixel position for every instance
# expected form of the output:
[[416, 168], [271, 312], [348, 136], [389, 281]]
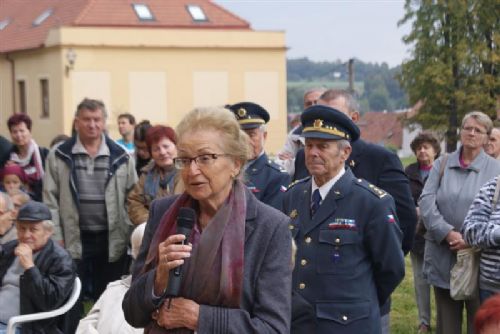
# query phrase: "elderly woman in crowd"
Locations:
[[444, 203], [236, 267], [426, 148], [157, 178], [482, 229], [27, 153]]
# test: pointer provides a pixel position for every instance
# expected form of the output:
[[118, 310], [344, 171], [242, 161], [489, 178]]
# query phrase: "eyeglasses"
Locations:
[[471, 129], [201, 160]]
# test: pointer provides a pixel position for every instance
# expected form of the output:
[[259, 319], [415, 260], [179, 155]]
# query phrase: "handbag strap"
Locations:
[[442, 167]]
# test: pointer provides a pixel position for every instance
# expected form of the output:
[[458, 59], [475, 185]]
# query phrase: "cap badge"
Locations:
[[318, 123], [242, 112]]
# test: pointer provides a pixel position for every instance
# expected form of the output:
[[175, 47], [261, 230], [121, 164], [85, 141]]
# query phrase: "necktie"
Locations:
[[316, 199]]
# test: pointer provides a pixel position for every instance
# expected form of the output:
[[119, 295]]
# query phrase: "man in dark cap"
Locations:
[[264, 178], [36, 274], [349, 243]]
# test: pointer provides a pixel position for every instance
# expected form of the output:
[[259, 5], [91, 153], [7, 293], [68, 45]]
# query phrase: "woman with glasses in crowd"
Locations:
[[157, 178], [236, 265], [444, 203]]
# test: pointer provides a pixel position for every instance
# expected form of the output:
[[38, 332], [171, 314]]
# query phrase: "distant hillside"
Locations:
[[375, 84]]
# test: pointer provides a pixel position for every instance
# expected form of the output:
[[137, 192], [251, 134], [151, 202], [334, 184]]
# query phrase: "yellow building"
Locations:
[[156, 59]]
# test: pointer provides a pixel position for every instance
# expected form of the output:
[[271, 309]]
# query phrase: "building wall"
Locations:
[[170, 73], [31, 67]]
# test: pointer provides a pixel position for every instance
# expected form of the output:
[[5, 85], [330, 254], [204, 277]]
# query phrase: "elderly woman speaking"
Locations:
[[236, 273], [444, 202]]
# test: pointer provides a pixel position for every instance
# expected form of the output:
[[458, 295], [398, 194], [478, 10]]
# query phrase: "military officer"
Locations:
[[266, 179], [349, 256]]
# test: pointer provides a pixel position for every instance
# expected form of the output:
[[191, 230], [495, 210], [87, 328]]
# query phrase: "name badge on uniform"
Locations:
[[343, 224]]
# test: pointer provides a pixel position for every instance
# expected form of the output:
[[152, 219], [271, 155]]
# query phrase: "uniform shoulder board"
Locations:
[[294, 183], [371, 188], [275, 166]]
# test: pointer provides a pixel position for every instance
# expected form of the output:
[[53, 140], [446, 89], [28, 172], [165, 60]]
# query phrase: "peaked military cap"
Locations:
[[33, 211], [250, 115], [324, 122]]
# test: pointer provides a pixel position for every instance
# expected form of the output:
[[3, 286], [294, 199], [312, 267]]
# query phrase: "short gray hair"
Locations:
[[315, 89], [342, 144], [481, 118], [333, 94], [48, 225], [7, 201], [91, 104]]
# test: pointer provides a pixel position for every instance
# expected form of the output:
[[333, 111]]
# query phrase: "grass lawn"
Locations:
[[404, 318]]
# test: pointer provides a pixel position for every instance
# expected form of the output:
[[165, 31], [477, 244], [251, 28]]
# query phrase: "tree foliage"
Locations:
[[454, 63], [380, 90]]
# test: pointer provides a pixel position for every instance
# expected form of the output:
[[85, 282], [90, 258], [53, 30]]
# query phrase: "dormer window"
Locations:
[[143, 12], [42, 17], [197, 13]]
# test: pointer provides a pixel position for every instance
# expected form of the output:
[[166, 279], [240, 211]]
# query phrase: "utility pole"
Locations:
[[350, 70]]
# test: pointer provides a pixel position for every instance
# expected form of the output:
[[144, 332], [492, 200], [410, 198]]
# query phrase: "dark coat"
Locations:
[[416, 186], [303, 315], [267, 181], [265, 304], [5, 148], [349, 257], [383, 169], [44, 287]]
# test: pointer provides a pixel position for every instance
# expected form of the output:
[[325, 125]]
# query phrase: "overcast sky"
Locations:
[[331, 29]]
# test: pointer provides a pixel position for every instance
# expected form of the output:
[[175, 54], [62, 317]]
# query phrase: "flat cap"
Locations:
[[250, 115], [33, 211], [324, 122]]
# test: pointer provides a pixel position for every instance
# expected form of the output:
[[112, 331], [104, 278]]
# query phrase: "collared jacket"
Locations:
[[44, 287], [151, 185], [265, 305], [383, 169], [60, 193], [267, 181], [443, 206], [349, 257]]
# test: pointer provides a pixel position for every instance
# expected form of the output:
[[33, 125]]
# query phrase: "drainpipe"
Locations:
[[13, 79]]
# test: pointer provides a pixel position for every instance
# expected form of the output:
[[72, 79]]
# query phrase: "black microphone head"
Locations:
[[186, 218]]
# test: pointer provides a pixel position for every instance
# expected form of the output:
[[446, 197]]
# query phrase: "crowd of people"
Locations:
[[312, 241]]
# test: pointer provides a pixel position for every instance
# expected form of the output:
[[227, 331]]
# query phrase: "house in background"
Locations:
[[382, 128], [156, 59], [391, 130]]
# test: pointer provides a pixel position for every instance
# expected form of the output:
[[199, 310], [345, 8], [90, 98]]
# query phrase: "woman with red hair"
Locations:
[[487, 319], [157, 178]]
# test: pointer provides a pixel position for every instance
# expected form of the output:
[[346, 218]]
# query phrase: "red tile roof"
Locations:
[[382, 128], [20, 34]]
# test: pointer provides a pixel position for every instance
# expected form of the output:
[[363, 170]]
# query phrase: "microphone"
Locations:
[[185, 222]]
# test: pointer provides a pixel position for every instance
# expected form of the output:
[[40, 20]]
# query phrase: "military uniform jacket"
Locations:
[[267, 181], [349, 257]]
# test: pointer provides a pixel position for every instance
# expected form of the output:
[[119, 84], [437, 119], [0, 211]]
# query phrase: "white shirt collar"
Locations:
[[79, 148], [325, 189]]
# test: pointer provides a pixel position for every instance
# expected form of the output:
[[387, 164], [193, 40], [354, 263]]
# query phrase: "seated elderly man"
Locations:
[[36, 274], [7, 228]]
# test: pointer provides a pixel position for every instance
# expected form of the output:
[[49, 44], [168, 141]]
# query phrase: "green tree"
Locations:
[[453, 68]]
